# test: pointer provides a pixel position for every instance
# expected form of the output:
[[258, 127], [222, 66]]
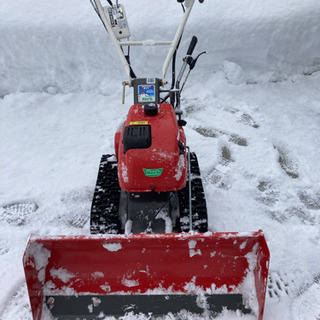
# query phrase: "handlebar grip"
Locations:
[[192, 45]]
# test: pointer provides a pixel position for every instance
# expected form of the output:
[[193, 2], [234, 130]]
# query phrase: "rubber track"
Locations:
[[199, 207], [105, 204]]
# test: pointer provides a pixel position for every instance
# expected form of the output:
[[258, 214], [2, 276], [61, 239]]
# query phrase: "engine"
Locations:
[[151, 150]]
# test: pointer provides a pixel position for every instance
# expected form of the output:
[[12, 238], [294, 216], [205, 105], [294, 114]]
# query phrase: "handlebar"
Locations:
[[192, 45]]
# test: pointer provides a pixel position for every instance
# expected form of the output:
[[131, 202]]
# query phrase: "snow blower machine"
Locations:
[[150, 251]]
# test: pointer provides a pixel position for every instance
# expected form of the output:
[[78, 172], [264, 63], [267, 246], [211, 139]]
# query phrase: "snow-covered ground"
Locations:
[[253, 112]]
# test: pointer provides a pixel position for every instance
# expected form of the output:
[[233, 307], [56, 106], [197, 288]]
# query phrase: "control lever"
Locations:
[[187, 60], [192, 45], [192, 64]]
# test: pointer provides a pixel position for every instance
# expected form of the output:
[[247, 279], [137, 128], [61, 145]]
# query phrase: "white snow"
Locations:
[[124, 172], [129, 282], [40, 259], [128, 226], [180, 167], [192, 249], [40, 254], [62, 274], [253, 112], [112, 246], [98, 274]]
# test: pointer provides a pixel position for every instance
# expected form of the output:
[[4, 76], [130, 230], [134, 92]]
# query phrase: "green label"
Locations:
[[147, 99], [153, 172]]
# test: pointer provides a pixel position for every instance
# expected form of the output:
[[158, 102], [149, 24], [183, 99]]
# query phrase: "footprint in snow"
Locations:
[[77, 207], [298, 212], [17, 306], [242, 117], [248, 120], [17, 213], [302, 214], [218, 175], [225, 155], [236, 139], [302, 207], [208, 133], [268, 194], [306, 305], [192, 106], [219, 179], [310, 199], [287, 160], [277, 215], [213, 133], [4, 246]]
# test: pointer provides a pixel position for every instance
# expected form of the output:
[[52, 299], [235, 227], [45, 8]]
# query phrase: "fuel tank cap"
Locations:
[[151, 109]]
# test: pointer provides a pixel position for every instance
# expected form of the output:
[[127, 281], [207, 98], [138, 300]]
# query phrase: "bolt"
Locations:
[[50, 302], [106, 288], [96, 301]]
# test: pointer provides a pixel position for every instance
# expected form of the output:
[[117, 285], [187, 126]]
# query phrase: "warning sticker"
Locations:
[[146, 93], [137, 123]]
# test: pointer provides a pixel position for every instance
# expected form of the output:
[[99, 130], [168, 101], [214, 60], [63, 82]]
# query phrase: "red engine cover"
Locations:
[[159, 167]]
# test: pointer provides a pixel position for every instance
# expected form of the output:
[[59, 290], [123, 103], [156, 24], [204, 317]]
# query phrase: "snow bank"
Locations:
[[55, 46]]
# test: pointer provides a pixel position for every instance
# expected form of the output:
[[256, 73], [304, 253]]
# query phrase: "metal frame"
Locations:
[[118, 44]]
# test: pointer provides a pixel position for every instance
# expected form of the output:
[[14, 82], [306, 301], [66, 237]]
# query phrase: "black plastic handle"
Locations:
[[192, 45], [201, 1]]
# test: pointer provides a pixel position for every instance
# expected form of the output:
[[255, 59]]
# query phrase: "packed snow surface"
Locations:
[[253, 110]]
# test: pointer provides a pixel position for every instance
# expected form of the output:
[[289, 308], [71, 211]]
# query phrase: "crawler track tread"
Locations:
[[199, 207], [105, 204]]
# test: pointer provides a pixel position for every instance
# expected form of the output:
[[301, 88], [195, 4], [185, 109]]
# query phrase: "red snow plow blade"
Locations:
[[79, 277]]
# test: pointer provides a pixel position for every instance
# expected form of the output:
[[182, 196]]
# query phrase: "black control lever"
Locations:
[[192, 62], [192, 45]]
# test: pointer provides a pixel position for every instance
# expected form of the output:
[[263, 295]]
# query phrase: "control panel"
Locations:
[[117, 19]]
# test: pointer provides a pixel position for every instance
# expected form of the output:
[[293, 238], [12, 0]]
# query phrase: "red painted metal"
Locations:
[[162, 154], [147, 263]]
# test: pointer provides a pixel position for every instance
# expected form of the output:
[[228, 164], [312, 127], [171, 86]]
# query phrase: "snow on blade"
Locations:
[[112, 246], [62, 274], [192, 251], [40, 256], [129, 282]]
